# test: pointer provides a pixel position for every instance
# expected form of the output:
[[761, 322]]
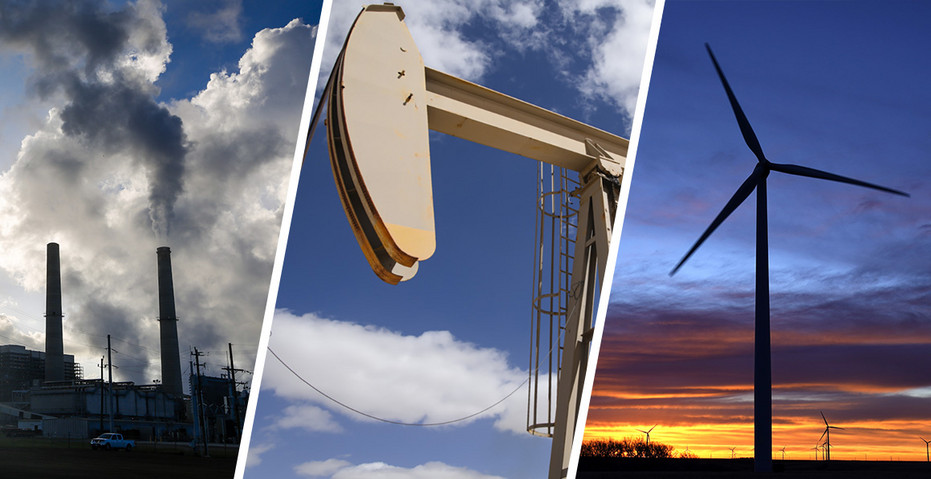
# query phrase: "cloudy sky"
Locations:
[[130, 125], [837, 86], [454, 339]]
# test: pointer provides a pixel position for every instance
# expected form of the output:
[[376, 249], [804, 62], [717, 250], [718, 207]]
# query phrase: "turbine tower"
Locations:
[[762, 375], [827, 441], [927, 453], [647, 432]]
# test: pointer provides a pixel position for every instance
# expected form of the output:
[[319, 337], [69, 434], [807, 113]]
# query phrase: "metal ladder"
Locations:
[[556, 224]]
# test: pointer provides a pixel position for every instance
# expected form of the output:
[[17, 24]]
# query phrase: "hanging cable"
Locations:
[[389, 421]]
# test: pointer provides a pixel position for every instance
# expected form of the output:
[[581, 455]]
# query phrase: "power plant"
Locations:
[[47, 393]]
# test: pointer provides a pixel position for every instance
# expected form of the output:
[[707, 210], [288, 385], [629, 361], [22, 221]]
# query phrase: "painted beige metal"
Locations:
[[382, 93], [475, 113], [598, 202], [381, 102], [381, 158], [350, 195]]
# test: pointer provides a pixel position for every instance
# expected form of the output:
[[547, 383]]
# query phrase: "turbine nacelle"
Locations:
[[647, 432]]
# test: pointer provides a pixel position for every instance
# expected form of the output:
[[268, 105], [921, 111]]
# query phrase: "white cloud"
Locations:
[[427, 378], [108, 157], [309, 418], [596, 47], [617, 55], [338, 469], [218, 23], [255, 453], [437, 27], [10, 334], [321, 468]]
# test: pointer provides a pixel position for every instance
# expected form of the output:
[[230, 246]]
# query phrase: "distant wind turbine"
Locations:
[[733, 454], [827, 442], [647, 432], [927, 454], [783, 453], [762, 376], [817, 446]]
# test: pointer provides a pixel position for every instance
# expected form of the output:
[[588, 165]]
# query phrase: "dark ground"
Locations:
[[42, 458], [609, 468]]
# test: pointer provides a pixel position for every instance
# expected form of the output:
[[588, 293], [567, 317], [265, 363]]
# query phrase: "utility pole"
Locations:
[[200, 401], [194, 403], [110, 387], [234, 394], [101, 394]]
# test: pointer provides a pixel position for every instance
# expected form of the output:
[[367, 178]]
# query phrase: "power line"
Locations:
[[399, 423]]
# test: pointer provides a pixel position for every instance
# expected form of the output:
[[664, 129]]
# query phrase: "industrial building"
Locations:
[[46, 390], [217, 408], [22, 369]]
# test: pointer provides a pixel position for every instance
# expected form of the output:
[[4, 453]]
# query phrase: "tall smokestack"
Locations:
[[168, 325], [54, 347]]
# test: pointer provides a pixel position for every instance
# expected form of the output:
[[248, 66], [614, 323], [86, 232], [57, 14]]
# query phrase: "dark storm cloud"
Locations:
[[108, 159], [65, 34], [95, 315], [850, 339], [78, 47], [118, 117], [866, 367], [105, 318]]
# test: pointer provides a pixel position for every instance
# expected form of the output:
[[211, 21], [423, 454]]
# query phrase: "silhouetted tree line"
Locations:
[[627, 447]]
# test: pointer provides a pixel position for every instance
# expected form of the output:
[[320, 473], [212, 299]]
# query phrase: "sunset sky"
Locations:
[[837, 86]]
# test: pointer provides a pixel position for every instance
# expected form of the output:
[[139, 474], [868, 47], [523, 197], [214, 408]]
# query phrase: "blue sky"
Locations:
[[455, 338], [838, 86], [115, 113]]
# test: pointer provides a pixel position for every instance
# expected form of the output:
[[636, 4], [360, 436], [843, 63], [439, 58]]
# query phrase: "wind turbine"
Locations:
[[827, 441], [762, 375], [783, 453], [927, 453], [733, 454], [647, 432], [817, 446]]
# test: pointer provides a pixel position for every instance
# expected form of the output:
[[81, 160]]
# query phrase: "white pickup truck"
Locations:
[[112, 440]]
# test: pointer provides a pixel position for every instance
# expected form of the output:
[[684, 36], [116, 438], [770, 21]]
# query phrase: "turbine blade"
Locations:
[[654, 426], [823, 175], [739, 196], [742, 121], [822, 435], [825, 419]]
